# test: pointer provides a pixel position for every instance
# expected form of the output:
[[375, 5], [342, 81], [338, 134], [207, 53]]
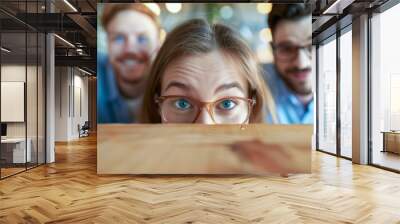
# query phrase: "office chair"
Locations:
[[84, 130]]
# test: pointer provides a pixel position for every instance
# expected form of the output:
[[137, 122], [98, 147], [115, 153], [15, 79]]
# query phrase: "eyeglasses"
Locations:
[[226, 110], [288, 52]]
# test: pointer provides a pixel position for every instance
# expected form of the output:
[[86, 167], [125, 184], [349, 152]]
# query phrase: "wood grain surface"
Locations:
[[194, 149]]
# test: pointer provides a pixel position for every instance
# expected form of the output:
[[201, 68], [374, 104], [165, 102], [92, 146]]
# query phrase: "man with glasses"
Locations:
[[289, 78]]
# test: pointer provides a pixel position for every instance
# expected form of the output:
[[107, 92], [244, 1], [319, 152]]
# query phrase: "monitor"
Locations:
[[3, 129]]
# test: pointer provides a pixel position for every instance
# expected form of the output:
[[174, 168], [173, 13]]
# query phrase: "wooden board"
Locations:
[[193, 149]]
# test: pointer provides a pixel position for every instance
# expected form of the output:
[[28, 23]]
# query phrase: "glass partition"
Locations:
[[22, 90], [14, 151], [327, 96]]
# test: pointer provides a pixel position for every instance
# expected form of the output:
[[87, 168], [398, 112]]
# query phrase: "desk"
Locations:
[[191, 148], [13, 150], [391, 141]]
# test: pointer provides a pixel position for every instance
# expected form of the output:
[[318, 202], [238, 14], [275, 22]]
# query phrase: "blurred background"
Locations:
[[250, 20]]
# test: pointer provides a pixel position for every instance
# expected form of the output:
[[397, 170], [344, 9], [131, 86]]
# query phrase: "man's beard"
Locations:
[[300, 87], [131, 68], [130, 71]]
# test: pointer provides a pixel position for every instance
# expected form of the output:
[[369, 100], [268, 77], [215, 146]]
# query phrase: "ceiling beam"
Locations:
[[337, 7]]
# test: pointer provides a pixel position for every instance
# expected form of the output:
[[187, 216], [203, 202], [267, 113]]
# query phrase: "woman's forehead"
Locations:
[[213, 67], [204, 77]]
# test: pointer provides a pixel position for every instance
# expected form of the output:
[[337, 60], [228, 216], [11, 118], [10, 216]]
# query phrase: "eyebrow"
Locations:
[[220, 88], [291, 43], [178, 85], [229, 86]]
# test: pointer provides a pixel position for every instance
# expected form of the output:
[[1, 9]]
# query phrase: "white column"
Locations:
[[50, 99], [360, 90], [50, 92], [314, 88]]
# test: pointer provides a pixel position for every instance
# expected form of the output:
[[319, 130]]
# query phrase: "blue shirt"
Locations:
[[112, 107], [289, 109]]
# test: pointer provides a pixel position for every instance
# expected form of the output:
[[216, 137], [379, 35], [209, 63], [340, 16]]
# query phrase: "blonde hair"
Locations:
[[196, 37]]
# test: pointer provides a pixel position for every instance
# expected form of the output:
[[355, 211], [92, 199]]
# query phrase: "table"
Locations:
[[13, 150], [191, 148], [391, 141]]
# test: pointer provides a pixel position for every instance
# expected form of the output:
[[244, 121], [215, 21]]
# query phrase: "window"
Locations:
[[346, 93], [385, 89], [327, 96]]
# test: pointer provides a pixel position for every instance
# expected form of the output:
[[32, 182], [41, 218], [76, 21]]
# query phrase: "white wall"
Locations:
[[34, 125], [16, 73], [71, 93], [80, 89], [61, 103], [10, 73]]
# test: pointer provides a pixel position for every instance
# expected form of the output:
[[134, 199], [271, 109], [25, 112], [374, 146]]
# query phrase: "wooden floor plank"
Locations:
[[70, 191]]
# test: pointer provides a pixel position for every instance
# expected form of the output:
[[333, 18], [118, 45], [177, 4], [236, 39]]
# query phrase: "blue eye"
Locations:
[[142, 39], [227, 104], [119, 39], [182, 104]]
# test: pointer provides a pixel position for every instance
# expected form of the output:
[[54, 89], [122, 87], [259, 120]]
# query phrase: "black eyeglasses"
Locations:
[[288, 52]]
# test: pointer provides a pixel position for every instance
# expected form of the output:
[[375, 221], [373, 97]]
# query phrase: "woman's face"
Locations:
[[207, 89]]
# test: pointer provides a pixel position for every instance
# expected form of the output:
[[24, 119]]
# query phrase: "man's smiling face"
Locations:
[[292, 54]]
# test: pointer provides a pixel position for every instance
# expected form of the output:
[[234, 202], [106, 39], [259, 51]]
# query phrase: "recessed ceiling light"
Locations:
[[5, 50], [64, 40], [84, 71], [70, 5]]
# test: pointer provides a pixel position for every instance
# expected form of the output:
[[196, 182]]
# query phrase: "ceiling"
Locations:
[[76, 20], [330, 15], [73, 20]]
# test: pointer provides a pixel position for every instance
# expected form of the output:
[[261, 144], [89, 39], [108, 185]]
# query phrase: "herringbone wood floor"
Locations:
[[69, 191]]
